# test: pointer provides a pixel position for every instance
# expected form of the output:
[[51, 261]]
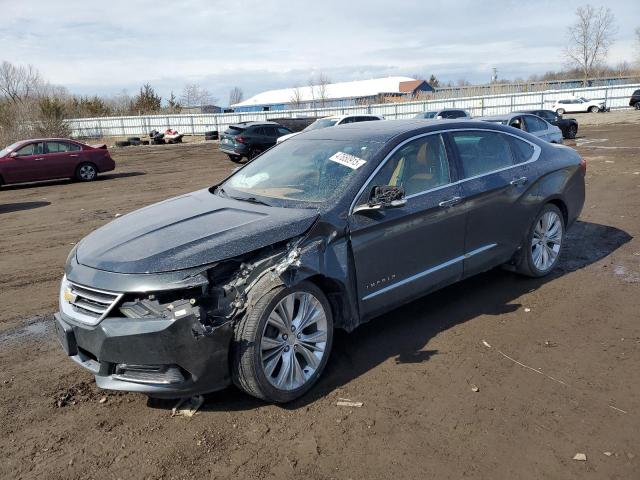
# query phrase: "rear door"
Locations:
[[496, 169], [61, 158], [536, 126], [270, 135], [402, 253]]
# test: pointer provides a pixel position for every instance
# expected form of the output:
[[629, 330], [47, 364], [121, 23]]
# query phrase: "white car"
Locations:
[[333, 122], [577, 104], [447, 113]]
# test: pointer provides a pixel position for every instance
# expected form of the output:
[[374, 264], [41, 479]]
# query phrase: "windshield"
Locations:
[[303, 170], [322, 123], [4, 152], [427, 115]]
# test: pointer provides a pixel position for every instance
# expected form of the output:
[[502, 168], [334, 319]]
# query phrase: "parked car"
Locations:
[[248, 139], [577, 105], [634, 101], [246, 281], [51, 158], [568, 126], [447, 113], [334, 122], [529, 123]]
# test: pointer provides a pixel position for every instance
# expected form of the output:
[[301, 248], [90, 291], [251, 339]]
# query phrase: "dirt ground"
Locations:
[[555, 362]]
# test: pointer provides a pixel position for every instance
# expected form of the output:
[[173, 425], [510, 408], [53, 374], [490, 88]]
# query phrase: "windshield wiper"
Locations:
[[251, 200]]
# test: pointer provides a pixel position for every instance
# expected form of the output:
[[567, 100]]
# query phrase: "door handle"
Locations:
[[74, 155], [518, 181], [450, 203], [38, 159]]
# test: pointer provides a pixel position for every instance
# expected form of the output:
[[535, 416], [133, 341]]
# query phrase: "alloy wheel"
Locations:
[[294, 341], [87, 172], [546, 242]]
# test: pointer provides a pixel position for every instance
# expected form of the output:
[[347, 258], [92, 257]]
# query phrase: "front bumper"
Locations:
[[159, 357]]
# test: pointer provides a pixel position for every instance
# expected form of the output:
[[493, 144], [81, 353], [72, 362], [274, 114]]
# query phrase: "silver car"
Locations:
[[529, 123]]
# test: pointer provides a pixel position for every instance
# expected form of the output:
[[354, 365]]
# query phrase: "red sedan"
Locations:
[[50, 158]]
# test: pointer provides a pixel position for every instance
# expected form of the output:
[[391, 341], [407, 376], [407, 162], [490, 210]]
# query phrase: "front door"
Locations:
[[402, 253], [27, 164]]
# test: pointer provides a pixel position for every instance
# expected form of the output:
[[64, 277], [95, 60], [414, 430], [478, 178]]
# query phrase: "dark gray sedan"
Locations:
[[246, 281]]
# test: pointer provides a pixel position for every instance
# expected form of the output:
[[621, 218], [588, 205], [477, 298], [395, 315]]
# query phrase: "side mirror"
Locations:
[[382, 197], [13, 154]]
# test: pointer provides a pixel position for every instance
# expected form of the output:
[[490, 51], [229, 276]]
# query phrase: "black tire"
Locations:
[[637, 106], [133, 139], [209, 137], [123, 143], [235, 158], [526, 265], [83, 172], [572, 131], [144, 142], [560, 111], [158, 141], [594, 109], [135, 142], [246, 364]]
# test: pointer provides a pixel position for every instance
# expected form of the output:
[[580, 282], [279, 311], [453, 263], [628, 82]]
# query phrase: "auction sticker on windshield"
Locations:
[[347, 160]]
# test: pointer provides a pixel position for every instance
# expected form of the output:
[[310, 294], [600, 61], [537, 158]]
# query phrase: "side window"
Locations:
[[31, 149], [547, 115], [418, 166], [535, 124], [283, 131], [456, 114], [74, 148], [516, 122], [482, 152], [58, 147], [364, 119], [256, 131], [522, 151], [271, 131], [347, 120]]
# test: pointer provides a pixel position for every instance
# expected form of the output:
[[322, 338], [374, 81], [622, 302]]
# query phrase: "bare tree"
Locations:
[[193, 95], [589, 39], [236, 95], [638, 47], [18, 82], [323, 82], [296, 100], [312, 90]]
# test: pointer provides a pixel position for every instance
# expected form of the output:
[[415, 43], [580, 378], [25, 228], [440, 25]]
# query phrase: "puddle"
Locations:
[[35, 327]]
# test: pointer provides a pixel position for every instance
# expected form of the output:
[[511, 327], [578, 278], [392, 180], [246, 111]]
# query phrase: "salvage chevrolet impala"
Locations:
[[246, 281]]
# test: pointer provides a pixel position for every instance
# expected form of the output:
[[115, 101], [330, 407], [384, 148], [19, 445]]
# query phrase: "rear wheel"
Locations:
[[544, 243], [86, 172], [282, 344], [594, 109], [637, 105]]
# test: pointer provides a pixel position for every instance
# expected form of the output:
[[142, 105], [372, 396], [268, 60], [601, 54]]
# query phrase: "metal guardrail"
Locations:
[[616, 97]]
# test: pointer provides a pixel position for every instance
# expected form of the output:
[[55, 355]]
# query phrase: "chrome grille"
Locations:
[[85, 304]]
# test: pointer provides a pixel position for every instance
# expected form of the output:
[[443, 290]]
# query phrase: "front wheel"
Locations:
[[637, 106], [282, 344], [235, 158], [594, 109], [572, 132], [86, 172], [543, 244], [560, 111]]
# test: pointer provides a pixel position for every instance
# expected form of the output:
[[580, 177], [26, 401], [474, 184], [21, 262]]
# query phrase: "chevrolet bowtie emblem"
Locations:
[[68, 296]]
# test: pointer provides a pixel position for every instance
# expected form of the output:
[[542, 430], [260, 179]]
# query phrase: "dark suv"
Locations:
[[569, 126], [248, 139], [634, 101]]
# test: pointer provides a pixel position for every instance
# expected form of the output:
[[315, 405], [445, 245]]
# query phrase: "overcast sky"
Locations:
[[105, 47]]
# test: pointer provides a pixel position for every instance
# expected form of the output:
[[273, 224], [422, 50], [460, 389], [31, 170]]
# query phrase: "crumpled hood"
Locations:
[[189, 231]]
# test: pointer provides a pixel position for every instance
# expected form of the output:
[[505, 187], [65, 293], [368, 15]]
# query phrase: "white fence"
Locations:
[[616, 96]]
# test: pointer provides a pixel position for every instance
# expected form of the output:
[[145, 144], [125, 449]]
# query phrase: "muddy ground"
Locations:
[[561, 375]]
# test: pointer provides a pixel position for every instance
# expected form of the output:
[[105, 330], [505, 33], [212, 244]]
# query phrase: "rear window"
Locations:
[[522, 151], [636, 93], [233, 130]]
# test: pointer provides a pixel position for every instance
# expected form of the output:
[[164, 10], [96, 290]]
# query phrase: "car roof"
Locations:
[[505, 116], [253, 123], [387, 129]]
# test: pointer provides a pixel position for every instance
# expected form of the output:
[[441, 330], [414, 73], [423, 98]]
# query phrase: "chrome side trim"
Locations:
[[429, 271], [536, 154]]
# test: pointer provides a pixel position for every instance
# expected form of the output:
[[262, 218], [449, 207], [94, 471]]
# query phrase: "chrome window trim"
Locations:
[[429, 271], [536, 154]]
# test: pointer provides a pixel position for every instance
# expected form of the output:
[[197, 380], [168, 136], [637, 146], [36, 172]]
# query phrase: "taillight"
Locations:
[[583, 164], [240, 139]]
